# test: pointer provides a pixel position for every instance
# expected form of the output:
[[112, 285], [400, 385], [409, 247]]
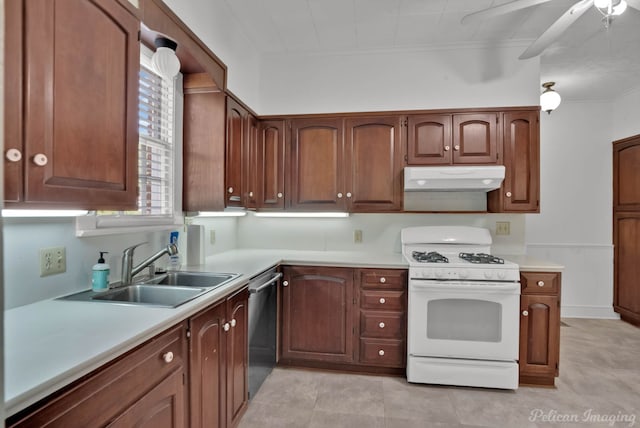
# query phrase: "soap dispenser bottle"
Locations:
[[100, 274]]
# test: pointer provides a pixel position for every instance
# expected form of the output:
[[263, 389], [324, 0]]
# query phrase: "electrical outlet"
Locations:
[[212, 237], [357, 236], [503, 227], [53, 260]]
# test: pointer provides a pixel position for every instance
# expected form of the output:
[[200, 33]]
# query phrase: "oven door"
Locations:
[[456, 319]]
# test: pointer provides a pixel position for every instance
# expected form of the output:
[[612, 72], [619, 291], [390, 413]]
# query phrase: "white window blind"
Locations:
[[156, 145]]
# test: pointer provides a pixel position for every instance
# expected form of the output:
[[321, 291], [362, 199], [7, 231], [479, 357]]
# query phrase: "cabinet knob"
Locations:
[[383, 280], [381, 325], [13, 155], [348, 194], [279, 194], [285, 283], [40, 159], [446, 148], [339, 195], [508, 194], [233, 322], [381, 352], [226, 326], [230, 190], [540, 283], [251, 194], [525, 313], [382, 300], [168, 357], [456, 147]]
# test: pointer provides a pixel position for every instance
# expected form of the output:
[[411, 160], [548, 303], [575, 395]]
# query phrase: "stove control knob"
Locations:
[[463, 273], [439, 273], [501, 274], [488, 274]]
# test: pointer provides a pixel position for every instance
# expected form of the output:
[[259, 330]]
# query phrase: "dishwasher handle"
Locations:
[[261, 287]]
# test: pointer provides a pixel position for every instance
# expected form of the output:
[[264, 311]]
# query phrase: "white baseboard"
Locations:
[[603, 312]]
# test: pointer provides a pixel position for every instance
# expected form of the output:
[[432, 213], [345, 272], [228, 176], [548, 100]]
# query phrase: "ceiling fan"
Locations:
[[608, 8]]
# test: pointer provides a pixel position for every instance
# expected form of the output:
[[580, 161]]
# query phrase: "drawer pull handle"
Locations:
[[230, 190], [226, 326], [251, 194], [446, 148], [382, 300], [381, 325], [13, 155], [279, 194], [40, 159], [456, 147], [233, 322], [508, 194], [348, 194], [381, 352], [383, 280], [339, 195], [168, 357], [540, 283], [525, 313], [285, 283]]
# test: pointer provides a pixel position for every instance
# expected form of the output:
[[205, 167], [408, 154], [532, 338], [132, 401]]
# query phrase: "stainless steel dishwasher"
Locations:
[[262, 327]]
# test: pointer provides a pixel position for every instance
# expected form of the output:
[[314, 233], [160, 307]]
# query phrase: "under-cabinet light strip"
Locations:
[[222, 213], [43, 213], [302, 215]]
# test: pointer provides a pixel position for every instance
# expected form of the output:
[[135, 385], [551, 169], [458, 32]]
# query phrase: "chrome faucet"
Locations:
[[129, 271]]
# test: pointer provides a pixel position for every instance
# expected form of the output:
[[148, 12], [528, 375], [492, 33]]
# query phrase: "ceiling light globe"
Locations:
[[620, 8], [602, 4], [550, 100], [165, 62]]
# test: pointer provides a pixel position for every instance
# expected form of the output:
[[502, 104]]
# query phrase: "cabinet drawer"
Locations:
[[382, 300], [540, 282], [382, 324], [383, 352], [383, 278], [99, 398]]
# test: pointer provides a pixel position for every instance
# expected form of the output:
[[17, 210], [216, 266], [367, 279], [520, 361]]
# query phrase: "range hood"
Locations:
[[453, 178]]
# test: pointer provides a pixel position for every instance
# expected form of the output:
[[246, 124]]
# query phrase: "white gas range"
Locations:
[[463, 314]]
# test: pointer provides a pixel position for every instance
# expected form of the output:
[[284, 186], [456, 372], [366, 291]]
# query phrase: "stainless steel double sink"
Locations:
[[168, 290]]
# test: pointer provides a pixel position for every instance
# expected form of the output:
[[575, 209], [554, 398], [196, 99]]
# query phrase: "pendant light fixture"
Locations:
[[549, 99], [164, 60]]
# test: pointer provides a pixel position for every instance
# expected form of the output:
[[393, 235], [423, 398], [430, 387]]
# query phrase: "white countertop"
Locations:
[[532, 264], [51, 343]]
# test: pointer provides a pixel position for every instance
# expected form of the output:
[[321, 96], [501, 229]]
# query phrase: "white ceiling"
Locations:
[[588, 62]]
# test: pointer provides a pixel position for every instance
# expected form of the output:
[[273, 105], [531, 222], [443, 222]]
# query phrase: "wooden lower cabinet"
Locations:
[[144, 388], [218, 363], [539, 327], [343, 318]]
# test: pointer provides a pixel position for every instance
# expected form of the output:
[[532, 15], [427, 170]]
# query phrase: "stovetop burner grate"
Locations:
[[481, 258], [430, 257]]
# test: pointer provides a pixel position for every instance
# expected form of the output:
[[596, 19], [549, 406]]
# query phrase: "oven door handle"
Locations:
[[431, 285], [261, 287]]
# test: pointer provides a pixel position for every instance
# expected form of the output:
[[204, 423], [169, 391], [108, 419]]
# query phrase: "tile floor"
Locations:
[[599, 378]]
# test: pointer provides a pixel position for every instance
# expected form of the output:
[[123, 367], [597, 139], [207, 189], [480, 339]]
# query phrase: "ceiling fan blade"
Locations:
[[556, 29], [634, 4], [491, 12]]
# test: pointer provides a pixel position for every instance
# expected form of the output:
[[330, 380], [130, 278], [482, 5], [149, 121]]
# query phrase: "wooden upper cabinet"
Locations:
[[80, 64], [316, 176], [445, 139], [475, 138], [626, 178], [235, 152], [520, 191], [251, 167], [373, 164], [429, 139], [271, 165]]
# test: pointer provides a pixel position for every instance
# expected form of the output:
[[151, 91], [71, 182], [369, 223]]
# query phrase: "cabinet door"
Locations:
[[271, 158], [13, 143], [236, 129], [81, 104], [162, 407], [251, 161], [374, 164], [626, 174], [521, 187], [316, 179], [429, 139], [237, 357], [539, 337], [207, 374], [475, 138], [317, 314], [626, 242]]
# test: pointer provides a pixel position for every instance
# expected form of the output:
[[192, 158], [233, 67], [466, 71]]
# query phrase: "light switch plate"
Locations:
[[503, 227], [212, 237], [357, 236], [53, 260]]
